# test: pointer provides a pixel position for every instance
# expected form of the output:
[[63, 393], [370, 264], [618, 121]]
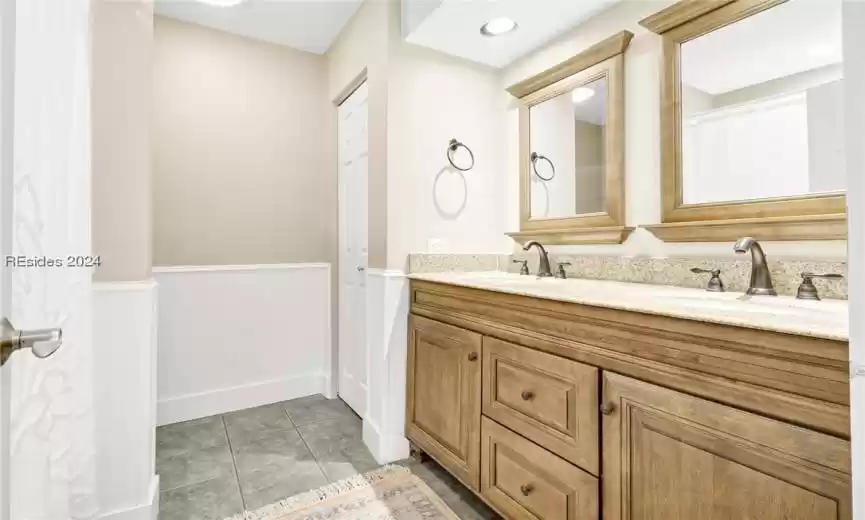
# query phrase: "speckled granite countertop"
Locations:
[[828, 319]]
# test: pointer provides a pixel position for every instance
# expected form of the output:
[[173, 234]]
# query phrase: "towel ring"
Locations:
[[535, 158], [453, 145]]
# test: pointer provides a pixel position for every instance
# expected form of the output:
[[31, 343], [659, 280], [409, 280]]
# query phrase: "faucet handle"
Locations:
[[715, 283], [524, 267], [807, 290], [561, 270]]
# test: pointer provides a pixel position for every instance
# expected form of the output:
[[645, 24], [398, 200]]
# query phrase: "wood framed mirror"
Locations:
[[572, 157], [751, 120]]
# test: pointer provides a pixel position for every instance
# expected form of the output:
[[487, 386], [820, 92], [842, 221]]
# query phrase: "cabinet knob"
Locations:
[[608, 408], [473, 356], [526, 489], [527, 395]]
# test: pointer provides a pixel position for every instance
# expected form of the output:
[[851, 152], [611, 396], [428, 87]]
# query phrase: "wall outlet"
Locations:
[[436, 245]]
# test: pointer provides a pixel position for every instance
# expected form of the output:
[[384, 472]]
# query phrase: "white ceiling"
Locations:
[[793, 37], [309, 25], [453, 26]]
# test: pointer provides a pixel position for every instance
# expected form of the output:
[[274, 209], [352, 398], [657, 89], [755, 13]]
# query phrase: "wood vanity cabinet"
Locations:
[[444, 396], [558, 411]]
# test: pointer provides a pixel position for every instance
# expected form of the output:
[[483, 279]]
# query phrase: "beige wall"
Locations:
[[240, 139], [642, 135], [553, 136], [122, 44], [363, 45], [432, 98], [589, 166], [418, 100]]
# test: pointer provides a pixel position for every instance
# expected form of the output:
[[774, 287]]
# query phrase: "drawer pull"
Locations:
[[608, 408], [526, 489], [473, 356], [527, 395]]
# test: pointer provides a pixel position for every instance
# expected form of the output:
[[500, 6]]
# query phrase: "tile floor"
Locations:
[[215, 467]]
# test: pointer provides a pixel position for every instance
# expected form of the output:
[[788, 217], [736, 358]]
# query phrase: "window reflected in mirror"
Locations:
[[568, 136], [762, 106]]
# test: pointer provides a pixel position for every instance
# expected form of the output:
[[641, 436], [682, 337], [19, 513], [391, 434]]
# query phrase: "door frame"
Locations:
[[343, 95], [7, 127], [853, 18]]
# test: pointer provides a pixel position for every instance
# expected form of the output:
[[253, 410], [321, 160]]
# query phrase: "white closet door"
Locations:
[[353, 180]]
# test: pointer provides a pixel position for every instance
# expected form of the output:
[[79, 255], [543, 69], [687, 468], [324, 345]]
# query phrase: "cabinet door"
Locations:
[[443, 416], [670, 456]]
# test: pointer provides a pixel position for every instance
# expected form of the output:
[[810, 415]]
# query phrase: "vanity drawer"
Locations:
[[551, 400], [523, 480]]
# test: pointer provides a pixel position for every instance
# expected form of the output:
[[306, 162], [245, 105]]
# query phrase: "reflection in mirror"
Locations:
[[762, 107], [568, 136]]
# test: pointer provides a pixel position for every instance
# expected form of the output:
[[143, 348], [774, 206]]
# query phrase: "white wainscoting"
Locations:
[[124, 372], [387, 322], [234, 337]]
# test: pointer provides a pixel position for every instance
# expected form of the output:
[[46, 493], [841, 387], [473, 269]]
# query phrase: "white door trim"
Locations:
[[854, 110], [7, 103]]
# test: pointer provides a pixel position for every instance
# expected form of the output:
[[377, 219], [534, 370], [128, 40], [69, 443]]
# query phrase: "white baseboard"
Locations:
[[330, 389], [188, 407], [384, 448], [148, 511], [233, 337]]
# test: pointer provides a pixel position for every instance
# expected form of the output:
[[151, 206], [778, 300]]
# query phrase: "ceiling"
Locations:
[[593, 110], [790, 38], [449, 26], [453, 26], [309, 25]]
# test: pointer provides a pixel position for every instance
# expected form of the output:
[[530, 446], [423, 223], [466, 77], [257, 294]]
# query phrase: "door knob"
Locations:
[[361, 268], [43, 342]]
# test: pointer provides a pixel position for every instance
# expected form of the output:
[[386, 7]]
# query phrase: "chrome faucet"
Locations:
[[761, 279], [544, 264]]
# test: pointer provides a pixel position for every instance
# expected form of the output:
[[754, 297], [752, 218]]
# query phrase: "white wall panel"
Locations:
[[233, 337]]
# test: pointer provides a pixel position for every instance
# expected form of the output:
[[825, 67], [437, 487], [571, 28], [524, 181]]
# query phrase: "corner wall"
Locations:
[[244, 221], [124, 294], [418, 100], [364, 49]]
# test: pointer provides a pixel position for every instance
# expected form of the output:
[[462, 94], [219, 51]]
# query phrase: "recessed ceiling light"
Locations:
[[582, 94], [498, 26], [222, 3]]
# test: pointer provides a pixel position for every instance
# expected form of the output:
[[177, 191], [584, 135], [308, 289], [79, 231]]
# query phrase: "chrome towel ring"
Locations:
[[538, 157], [453, 145]]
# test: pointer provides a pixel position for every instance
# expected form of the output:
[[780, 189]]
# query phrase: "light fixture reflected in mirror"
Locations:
[[498, 27], [582, 94], [221, 3]]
